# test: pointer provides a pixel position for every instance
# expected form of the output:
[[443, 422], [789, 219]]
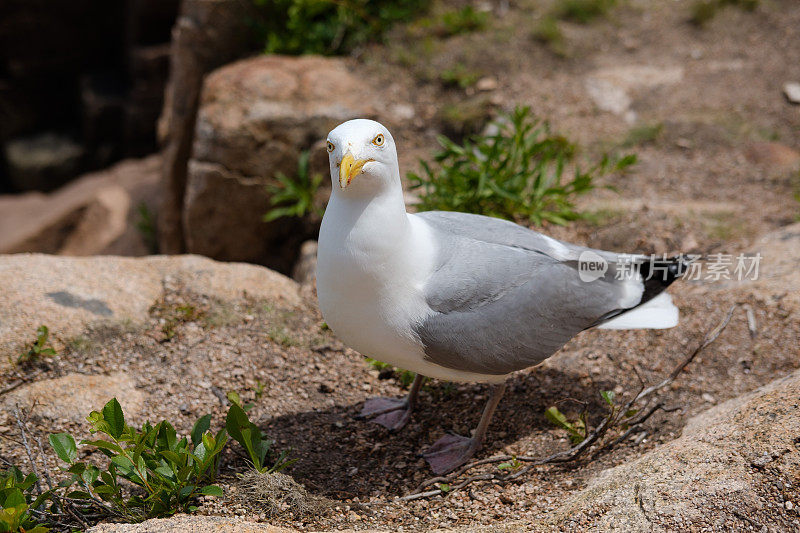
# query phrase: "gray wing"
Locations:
[[506, 298], [499, 231]]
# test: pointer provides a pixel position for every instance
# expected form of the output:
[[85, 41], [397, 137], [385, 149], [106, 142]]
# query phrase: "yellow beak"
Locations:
[[349, 168]]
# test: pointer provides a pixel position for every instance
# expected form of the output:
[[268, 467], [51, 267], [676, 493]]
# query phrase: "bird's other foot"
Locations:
[[391, 413], [450, 452]]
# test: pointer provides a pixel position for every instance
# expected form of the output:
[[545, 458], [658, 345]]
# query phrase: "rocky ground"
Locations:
[[717, 143]]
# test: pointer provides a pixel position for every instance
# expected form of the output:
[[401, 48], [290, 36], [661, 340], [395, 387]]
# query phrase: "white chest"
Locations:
[[369, 285]]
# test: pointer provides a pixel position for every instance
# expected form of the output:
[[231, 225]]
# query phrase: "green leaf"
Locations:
[[104, 445], [200, 427], [64, 446], [234, 398], [608, 396], [557, 417], [212, 490], [444, 487], [112, 414]]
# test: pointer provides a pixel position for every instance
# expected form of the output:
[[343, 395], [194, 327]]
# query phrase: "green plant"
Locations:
[[405, 377], [516, 172], [578, 429], [548, 32], [703, 11], [249, 436], [459, 76], [583, 11], [150, 472], [146, 225], [464, 20], [17, 502], [325, 26], [294, 196], [513, 464], [39, 347], [643, 134]]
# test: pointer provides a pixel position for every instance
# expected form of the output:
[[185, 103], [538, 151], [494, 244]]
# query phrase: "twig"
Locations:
[[22, 381], [614, 417], [23, 435], [751, 320]]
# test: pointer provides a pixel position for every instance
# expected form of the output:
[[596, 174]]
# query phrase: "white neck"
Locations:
[[373, 224]]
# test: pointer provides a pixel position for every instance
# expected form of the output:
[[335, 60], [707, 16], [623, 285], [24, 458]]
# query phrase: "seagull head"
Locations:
[[362, 156]]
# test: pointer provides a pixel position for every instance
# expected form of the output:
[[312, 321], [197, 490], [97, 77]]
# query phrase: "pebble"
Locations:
[[708, 398], [487, 83], [792, 92], [788, 505]]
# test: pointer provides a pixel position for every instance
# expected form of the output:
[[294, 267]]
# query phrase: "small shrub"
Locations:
[[39, 348], [17, 502], [517, 172], [150, 473], [325, 26], [294, 196]]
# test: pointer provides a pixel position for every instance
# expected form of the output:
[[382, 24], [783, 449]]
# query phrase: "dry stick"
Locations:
[[23, 434], [572, 453]]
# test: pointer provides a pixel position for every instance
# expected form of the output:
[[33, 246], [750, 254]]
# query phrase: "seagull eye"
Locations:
[[330, 147], [378, 140]]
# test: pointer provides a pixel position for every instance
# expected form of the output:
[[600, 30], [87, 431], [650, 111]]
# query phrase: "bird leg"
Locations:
[[452, 451], [392, 413]]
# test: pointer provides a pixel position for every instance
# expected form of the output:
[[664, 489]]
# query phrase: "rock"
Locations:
[[611, 88], [195, 52], [42, 162], [792, 92], [774, 155], [94, 214], [190, 524], [70, 398], [705, 477], [68, 293], [256, 117], [305, 269]]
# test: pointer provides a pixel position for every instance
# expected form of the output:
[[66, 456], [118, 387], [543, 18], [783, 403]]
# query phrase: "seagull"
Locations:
[[458, 296]]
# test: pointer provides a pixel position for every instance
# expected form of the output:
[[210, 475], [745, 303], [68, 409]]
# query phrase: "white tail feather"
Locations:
[[658, 313]]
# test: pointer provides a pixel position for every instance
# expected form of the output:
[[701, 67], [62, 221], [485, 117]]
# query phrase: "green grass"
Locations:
[[704, 11], [583, 11], [644, 134], [464, 20], [548, 32], [519, 172], [459, 75]]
